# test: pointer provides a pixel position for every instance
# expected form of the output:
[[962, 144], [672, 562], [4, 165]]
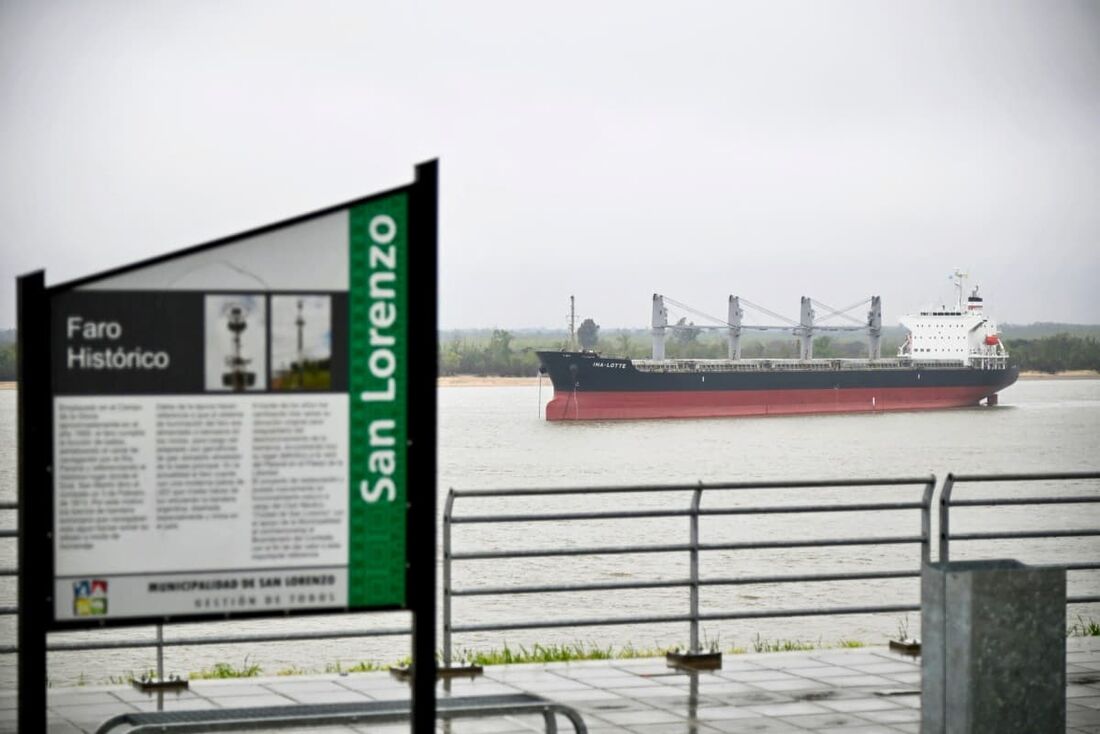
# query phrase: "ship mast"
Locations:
[[572, 324], [960, 279]]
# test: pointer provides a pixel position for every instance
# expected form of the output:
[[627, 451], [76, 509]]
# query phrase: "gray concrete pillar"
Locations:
[[993, 648]]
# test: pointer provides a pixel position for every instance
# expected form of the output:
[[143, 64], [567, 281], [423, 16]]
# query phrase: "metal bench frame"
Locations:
[[272, 717]]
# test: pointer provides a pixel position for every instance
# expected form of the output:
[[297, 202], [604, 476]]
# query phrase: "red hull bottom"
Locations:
[[713, 404]]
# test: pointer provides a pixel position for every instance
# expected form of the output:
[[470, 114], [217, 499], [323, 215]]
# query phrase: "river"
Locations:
[[492, 437]]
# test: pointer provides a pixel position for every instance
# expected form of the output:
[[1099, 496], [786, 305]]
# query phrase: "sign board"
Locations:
[[229, 425]]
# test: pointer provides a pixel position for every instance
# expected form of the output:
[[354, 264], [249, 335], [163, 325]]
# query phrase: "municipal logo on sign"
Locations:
[[90, 597]]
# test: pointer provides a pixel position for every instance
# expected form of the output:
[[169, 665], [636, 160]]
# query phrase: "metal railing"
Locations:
[[693, 548], [947, 501]]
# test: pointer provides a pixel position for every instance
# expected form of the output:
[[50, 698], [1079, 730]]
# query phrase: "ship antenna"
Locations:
[[960, 278]]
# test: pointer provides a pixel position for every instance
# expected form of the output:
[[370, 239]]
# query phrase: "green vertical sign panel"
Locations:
[[378, 385]]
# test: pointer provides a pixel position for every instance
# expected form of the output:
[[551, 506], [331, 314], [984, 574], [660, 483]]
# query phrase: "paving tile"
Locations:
[[733, 664], [475, 688], [909, 679], [79, 698], [892, 716], [1077, 691], [794, 684], [788, 709], [859, 729], [491, 725], [588, 694], [340, 696], [248, 702], [1083, 719], [826, 672], [755, 698], [682, 703], [295, 688], [650, 716], [720, 686], [848, 659], [854, 705], [92, 715], [813, 722], [760, 725], [744, 676], [724, 713], [681, 727], [656, 693], [55, 727], [887, 666], [862, 681], [910, 700], [183, 704]]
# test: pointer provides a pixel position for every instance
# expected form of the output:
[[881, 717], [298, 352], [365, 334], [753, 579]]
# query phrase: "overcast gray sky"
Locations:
[[606, 150]]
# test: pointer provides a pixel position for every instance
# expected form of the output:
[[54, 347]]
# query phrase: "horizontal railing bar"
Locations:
[[1023, 477], [8, 610], [566, 588], [1084, 532], [226, 640], [1082, 599], [9, 533], [822, 612], [557, 623], [810, 508], [672, 583], [9, 505], [551, 552], [8, 649], [1024, 501], [632, 514], [821, 543], [810, 577], [619, 489], [9, 571], [595, 515]]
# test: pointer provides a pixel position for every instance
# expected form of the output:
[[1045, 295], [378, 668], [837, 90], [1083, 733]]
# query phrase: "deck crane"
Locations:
[[805, 328]]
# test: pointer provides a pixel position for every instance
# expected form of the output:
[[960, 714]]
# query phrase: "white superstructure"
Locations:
[[962, 334]]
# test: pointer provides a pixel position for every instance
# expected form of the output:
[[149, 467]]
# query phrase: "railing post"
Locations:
[[160, 653], [696, 499], [448, 508], [945, 508], [926, 521]]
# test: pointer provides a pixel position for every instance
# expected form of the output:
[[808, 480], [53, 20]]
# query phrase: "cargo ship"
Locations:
[[952, 357]]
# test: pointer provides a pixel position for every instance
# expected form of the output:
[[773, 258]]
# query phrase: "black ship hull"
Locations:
[[588, 386]]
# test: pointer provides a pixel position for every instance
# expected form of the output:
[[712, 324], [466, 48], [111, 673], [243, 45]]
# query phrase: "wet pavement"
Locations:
[[850, 690]]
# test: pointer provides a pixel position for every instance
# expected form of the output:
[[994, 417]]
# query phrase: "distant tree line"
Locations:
[[7, 362], [501, 352], [1056, 353]]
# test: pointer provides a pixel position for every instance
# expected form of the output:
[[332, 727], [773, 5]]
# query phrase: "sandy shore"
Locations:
[[1067, 375], [478, 381]]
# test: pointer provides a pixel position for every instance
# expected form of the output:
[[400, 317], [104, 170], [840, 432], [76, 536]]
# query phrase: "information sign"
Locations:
[[229, 425]]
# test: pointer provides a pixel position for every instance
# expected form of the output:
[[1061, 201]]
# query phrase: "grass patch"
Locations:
[[1084, 628], [760, 644], [226, 670], [554, 653]]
